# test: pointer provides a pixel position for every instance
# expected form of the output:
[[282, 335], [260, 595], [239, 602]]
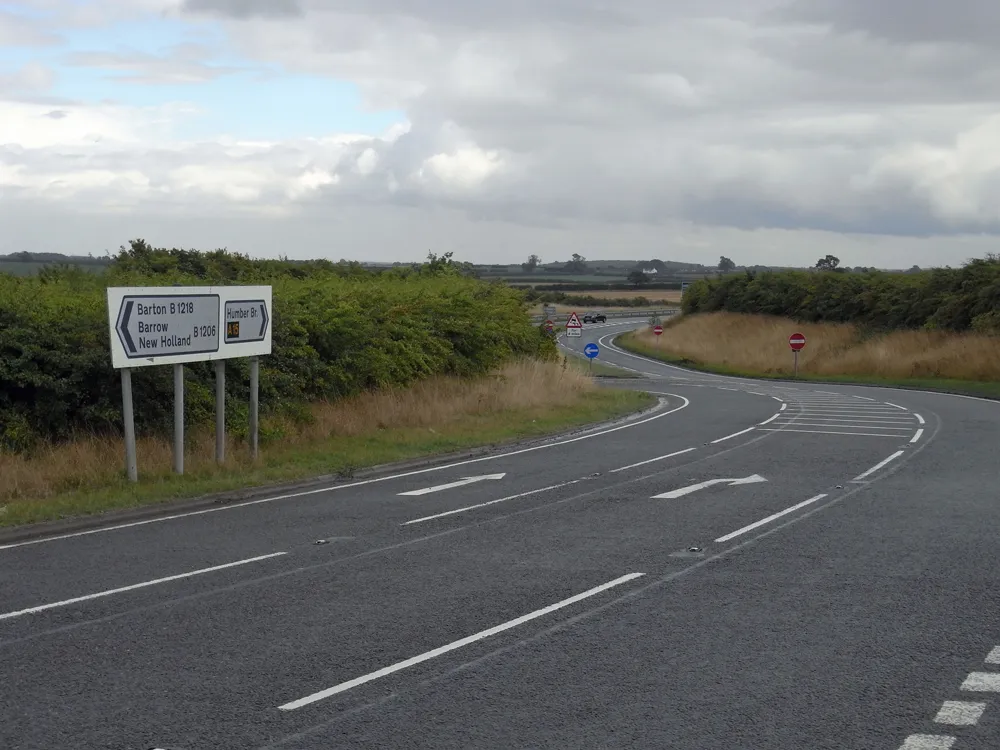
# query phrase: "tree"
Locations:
[[637, 277], [829, 263], [725, 264], [578, 264], [532, 264]]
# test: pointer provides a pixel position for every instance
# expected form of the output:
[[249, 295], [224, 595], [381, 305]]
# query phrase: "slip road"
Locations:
[[770, 565]]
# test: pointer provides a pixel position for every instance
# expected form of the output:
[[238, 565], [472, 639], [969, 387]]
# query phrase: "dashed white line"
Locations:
[[428, 655], [863, 398], [927, 742], [919, 419], [491, 502], [771, 419], [735, 434], [960, 713], [982, 682], [777, 399], [651, 460], [134, 586], [879, 465], [917, 435], [756, 393], [895, 406], [761, 522], [783, 406]]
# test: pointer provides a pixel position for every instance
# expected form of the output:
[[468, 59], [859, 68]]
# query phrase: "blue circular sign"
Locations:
[[591, 350]]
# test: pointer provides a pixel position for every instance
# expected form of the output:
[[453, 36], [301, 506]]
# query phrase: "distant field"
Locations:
[[30, 268], [653, 295]]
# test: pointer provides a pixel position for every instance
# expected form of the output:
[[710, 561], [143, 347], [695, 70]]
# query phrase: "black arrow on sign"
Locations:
[[263, 322], [123, 333]]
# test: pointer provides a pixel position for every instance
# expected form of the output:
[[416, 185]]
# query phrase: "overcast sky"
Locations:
[[771, 131]]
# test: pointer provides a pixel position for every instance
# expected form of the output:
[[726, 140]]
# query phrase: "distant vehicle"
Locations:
[[595, 318]]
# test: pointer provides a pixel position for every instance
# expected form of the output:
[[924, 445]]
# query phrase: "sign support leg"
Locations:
[[128, 416], [220, 411], [796, 364], [179, 418], [254, 403]]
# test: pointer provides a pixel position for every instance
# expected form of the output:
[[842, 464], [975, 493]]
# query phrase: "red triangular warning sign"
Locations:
[[574, 321]]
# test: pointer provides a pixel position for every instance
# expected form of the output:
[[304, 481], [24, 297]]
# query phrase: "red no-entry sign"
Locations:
[[797, 341], [657, 330]]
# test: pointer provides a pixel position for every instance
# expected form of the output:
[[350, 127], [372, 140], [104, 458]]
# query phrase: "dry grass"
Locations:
[[452, 408], [759, 344]]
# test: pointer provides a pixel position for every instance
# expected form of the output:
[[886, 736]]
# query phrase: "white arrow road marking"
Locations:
[[753, 479], [459, 483]]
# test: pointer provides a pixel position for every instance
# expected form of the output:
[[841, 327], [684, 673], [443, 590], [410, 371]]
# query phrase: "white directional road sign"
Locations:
[[171, 325]]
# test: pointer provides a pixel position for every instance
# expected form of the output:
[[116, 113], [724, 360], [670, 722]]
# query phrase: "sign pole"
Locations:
[[254, 403], [796, 353], [220, 411], [128, 416], [179, 418]]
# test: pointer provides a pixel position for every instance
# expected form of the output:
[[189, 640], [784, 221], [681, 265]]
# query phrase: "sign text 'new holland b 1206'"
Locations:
[[174, 325]]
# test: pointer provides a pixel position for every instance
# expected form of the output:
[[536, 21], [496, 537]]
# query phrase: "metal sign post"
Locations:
[[797, 342], [176, 325]]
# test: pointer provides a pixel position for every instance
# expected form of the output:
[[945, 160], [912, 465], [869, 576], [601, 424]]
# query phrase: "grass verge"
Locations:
[[440, 415], [756, 346], [598, 369]]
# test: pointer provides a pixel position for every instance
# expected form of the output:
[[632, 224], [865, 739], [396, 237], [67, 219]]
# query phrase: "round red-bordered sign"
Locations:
[[657, 330], [797, 341]]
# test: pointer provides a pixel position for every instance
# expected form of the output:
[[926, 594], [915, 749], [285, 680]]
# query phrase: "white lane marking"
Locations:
[[919, 419], [674, 494], [879, 465], [441, 650], [849, 412], [927, 742], [756, 393], [828, 432], [361, 483], [879, 420], [761, 522], [735, 434], [651, 460], [982, 682], [134, 586], [960, 713], [491, 502], [770, 419], [863, 398], [451, 485], [917, 435], [896, 406], [783, 406], [993, 657], [797, 423], [776, 398], [722, 388]]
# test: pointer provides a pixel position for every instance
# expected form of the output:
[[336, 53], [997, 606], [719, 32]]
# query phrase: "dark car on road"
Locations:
[[595, 318]]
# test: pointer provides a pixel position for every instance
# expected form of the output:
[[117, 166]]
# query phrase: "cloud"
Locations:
[[777, 116], [21, 31]]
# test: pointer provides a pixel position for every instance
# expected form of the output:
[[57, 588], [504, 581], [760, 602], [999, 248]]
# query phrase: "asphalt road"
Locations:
[[583, 592]]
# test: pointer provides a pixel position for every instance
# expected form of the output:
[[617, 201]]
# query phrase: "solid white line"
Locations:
[[134, 586], [879, 465], [917, 435], [771, 419], [853, 411], [993, 657], [828, 432], [783, 406], [651, 460], [960, 713], [440, 651], [897, 406], [770, 518], [982, 682], [919, 418], [882, 420], [927, 742], [735, 434], [361, 483], [491, 502], [452, 485]]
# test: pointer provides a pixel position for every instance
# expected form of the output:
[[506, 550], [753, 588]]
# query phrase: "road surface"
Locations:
[[749, 565]]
